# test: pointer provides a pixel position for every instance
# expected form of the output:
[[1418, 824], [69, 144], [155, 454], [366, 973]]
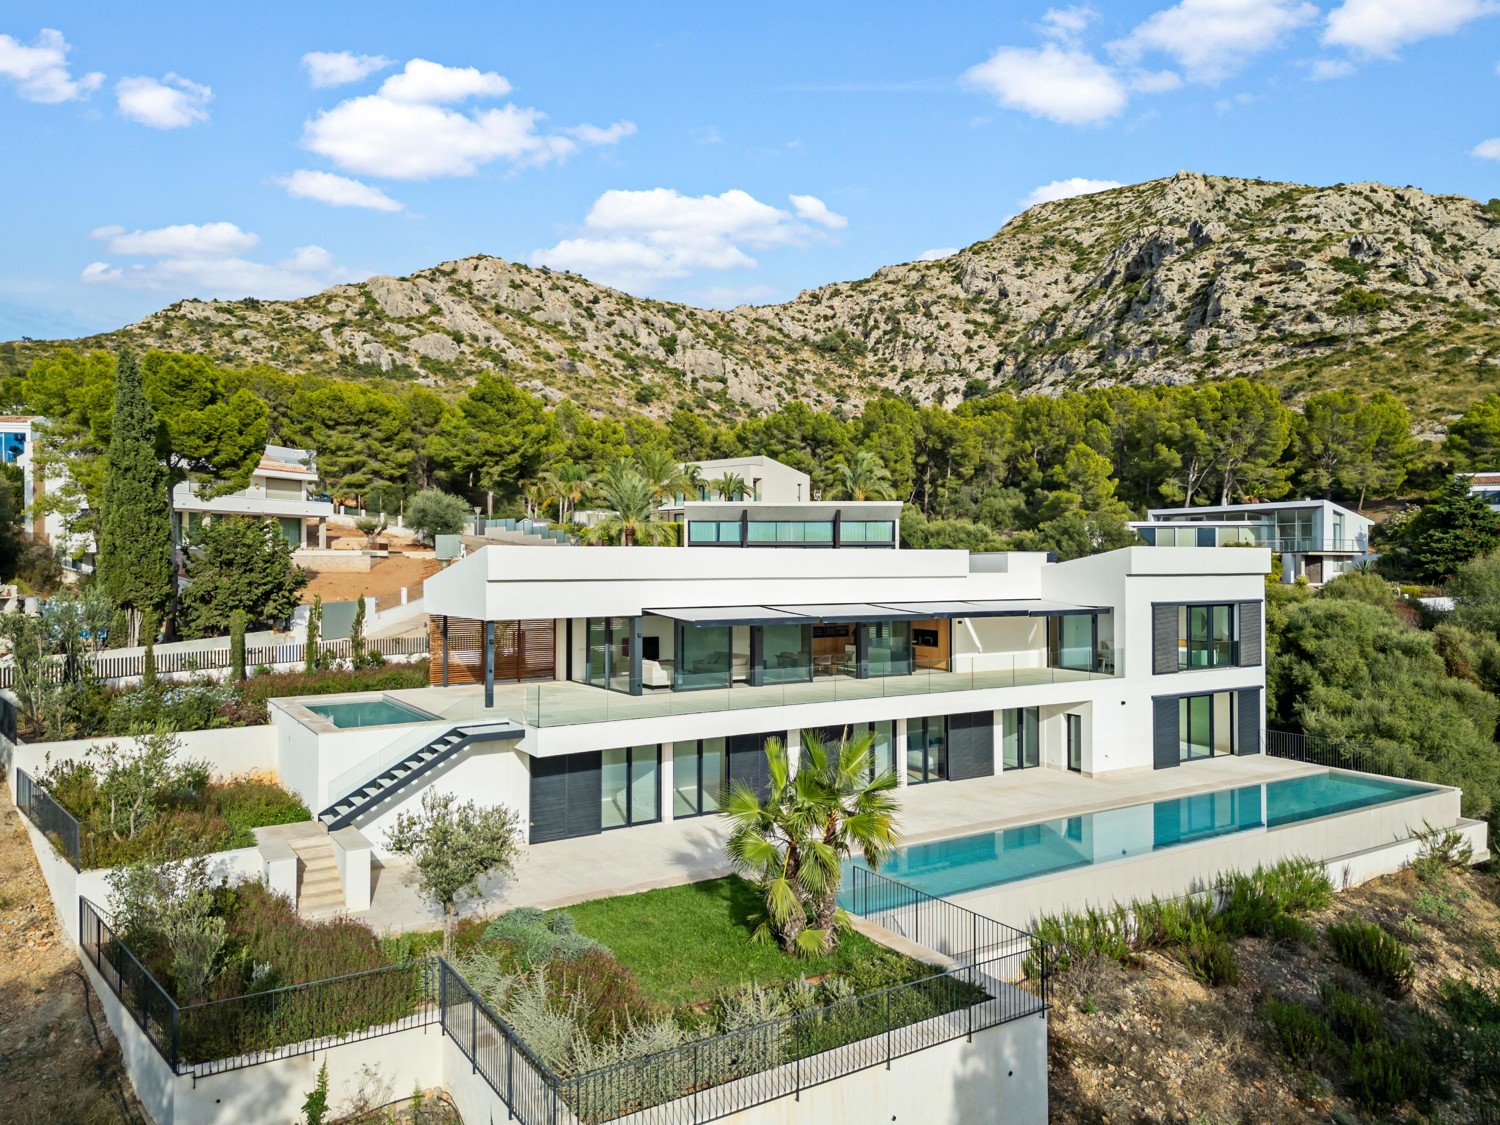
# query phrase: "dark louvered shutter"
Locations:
[[1250, 630], [1247, 717], [565, 797], [1163, 638], [971, 745], [746, 754], [1166, 742]]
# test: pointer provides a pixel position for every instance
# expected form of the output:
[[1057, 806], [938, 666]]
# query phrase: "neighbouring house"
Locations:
[[1485, 485], [1316, 539], [781, 510], [281, 489]]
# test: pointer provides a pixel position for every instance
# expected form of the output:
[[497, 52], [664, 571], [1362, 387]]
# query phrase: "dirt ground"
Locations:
[[58, 1060], [1152, 1044], [383, 580]]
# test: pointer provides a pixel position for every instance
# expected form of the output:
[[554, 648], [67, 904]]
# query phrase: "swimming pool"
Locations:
[[988, 859], [368, 713]]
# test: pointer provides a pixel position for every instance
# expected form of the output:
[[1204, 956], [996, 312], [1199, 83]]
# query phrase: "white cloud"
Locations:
[[1059, 83], [1066, 24], [40, 72], [1324, 69], [188, 240], [191, 260], [595, 135], [814, 210], [938, 254], [429, 82], [1155, 81], [407, 129], [338, 68], [1064, 189], [706, 135], [1211, 39], [172, 103], [1487, 150], [637, 238], [1380, 27], [337, 191]]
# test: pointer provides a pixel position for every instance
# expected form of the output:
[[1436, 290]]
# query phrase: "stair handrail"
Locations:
[[367, 769]]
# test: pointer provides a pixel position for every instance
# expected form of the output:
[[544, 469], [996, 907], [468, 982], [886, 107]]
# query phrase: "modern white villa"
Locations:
[[1316, 539], [598, 689], [280, 490]]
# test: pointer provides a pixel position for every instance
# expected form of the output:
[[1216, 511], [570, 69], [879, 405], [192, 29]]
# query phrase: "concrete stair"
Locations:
[[320, 894]]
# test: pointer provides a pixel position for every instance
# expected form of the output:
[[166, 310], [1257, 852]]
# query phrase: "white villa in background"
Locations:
[[1317, 539], [600, 689], [780, 511], [280, 489], [1486, 486], [17, 446]]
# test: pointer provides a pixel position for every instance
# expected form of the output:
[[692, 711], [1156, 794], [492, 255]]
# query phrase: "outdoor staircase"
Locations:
[[319, 891], [394, 777]]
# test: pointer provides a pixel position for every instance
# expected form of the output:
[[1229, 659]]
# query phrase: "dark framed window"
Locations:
[[630, 786], [1021, 738], [1207, 636], [698, 777], [926, 750]]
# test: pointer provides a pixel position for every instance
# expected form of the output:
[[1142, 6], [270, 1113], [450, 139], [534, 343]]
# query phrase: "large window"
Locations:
[[609, 652], [704, 657], [1207, 636], [1070, 642], [630, 786], [1205, 725], [888, 651], [697, 777], [867, 533], [787, 652], [926, 750], [1021, 737]]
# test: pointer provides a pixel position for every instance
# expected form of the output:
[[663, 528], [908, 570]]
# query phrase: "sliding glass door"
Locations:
[[697, 777], [630, 786], [1021, 737], [1075, 742], [926, 750]]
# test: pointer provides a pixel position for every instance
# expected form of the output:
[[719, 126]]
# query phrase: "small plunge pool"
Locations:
[[368, 713]]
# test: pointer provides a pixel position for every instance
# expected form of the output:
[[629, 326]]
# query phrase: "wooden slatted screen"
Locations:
[[524, 650]]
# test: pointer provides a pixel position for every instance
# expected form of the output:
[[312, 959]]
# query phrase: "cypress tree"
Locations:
[[148, 660], [135, 518], [310, 653], [237, 621]]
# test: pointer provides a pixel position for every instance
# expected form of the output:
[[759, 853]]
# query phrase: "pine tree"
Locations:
[[135, 519]]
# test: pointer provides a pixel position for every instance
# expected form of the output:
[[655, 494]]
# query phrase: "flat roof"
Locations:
[[728, 615], [709, 616]]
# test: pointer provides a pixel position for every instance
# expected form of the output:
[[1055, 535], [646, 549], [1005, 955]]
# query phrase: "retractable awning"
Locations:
[[1026, 607], [729, 615], [857, 611]]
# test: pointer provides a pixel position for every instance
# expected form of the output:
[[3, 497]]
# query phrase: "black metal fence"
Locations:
[[1391, 760], [258, 1027], [700, 1081], [52, 820]]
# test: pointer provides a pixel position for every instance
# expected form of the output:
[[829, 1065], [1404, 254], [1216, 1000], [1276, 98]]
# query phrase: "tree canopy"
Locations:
[[239, 565]]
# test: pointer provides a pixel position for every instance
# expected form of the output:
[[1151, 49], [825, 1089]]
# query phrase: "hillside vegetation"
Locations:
[[1357, 285]]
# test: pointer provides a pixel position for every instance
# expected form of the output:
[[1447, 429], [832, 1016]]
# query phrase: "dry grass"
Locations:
[[1154, 1045]]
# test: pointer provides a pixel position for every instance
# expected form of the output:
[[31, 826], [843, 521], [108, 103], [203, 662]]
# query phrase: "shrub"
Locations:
[[1352, 1019], [1384, 1074], [1303, 1035], [1209, 958], [538, 937], [606, 995], [1439, 851], [1373, 953]]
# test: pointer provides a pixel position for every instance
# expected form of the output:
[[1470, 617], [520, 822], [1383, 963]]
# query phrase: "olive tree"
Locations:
[[452, 846]]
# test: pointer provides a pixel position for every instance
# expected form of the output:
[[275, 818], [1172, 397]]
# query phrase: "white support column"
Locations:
[[900, 753], [793, 750]]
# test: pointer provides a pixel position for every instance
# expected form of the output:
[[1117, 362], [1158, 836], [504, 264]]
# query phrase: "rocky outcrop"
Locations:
[[1164, 282]]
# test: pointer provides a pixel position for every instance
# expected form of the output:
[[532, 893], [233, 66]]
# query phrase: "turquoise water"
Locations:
[[967, 863], [368, 713]]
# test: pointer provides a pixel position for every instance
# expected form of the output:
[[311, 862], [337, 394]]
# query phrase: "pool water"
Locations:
[[368, 713], [968, 863]]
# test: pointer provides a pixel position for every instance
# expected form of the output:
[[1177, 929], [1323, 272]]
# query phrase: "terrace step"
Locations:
[[320, 892], [362, 799]]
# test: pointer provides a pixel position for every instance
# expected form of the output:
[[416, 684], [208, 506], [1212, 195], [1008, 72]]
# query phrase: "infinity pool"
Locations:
[[967, 863], [368, 713]]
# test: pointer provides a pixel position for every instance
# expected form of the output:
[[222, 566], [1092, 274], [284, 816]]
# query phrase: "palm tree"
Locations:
[[731, 486], [632, 501], [663, 471], [692, 481], [567, 484], [863, 477], [796, 838]]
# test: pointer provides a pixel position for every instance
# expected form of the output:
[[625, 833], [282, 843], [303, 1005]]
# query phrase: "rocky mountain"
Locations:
[[1170, 281]]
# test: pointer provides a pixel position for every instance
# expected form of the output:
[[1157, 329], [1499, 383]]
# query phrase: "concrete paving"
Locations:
[[661, 855]]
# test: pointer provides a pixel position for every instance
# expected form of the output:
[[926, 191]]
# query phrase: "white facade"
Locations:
[[1317, 539], [280, 489], [965, 665]]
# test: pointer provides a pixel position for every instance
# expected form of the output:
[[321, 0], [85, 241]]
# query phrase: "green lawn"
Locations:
[[689, 943]]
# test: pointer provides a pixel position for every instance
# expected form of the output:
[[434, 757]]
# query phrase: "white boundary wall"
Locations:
[[229, 752]]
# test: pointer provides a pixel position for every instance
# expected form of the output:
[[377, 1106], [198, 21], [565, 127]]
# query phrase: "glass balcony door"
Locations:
[[926, 750], [697, 777], [1021, 737], [630, 790]]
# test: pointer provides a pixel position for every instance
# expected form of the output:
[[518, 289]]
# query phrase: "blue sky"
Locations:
[[687, 151]]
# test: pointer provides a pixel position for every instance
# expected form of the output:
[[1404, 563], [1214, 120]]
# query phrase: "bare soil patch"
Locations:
[[58, 1060], [383, 580]]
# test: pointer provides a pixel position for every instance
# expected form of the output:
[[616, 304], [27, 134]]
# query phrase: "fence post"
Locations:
[[176, 1035], [888, 1029], [474, 1035], [510, 1070]]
